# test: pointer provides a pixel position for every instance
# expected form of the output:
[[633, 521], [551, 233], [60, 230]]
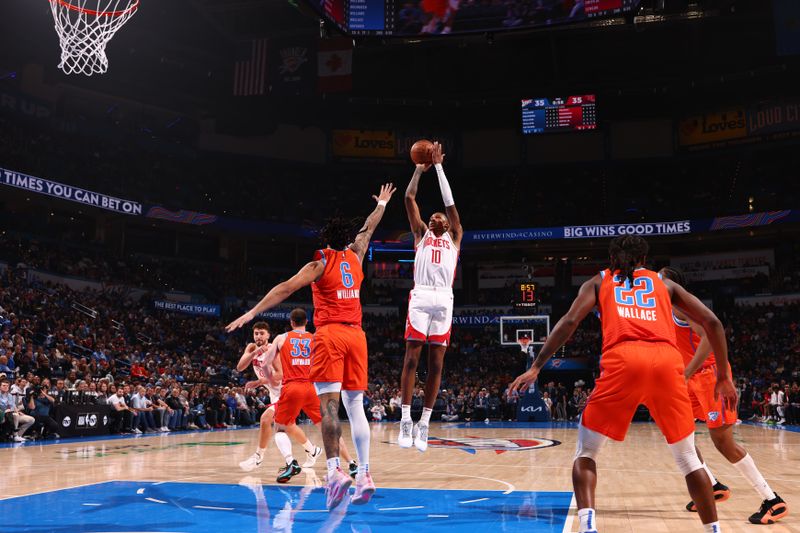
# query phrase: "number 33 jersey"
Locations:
[[641, 311]]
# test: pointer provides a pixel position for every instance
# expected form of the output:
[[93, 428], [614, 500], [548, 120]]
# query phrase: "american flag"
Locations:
[[250, 73]]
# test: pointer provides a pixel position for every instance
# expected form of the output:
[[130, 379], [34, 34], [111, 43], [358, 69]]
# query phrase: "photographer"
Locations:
[[39, 405]]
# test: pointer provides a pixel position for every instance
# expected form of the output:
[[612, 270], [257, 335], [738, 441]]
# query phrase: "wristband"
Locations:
[[382, 202]]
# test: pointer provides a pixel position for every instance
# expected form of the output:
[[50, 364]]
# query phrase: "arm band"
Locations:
[[444, 186], [382, 202]]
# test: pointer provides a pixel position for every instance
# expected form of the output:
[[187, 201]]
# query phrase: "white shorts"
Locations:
[[430, 315]]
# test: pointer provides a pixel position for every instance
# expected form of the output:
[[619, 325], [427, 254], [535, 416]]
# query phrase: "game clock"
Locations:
[[525, 295]]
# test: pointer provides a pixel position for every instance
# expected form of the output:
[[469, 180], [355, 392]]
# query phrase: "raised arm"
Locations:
[[700, 314], [453, 218], [274, 349], [582, 306], [247, 357], [361, 243], [418, 226], [306, 276]]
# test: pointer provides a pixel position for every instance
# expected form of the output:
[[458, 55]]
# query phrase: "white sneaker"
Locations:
[[17, 438], [312, 457], [421, 437], [405, 439], [137, 431], [782, 421], [251, 463]]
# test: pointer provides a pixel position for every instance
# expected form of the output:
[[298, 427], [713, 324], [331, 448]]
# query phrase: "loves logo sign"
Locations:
[[364, 144], [713, 127]]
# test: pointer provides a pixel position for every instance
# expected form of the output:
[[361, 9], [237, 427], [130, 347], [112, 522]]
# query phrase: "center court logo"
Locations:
[[498, 446]]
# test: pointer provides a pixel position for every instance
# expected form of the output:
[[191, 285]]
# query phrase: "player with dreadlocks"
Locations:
[[640, 364], [339, 355]]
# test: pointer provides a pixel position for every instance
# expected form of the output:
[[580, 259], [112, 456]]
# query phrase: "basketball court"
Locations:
[[475, 476]]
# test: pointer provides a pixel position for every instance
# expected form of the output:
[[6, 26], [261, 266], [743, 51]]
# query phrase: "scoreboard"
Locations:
[[370, 17], [548, 115], [524, 295]]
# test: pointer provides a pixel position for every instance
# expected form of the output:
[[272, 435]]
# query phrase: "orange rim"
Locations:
[[94, 13]]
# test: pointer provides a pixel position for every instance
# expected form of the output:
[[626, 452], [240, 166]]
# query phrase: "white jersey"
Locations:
[[261, 373], [435, 261]]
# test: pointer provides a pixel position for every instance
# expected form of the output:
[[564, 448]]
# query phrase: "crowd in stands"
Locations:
[[162, 371]]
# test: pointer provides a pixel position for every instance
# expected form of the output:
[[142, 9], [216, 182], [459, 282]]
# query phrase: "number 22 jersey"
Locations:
[[641, 311]]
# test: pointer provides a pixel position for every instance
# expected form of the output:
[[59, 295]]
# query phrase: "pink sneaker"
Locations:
[[337, 488], [365, 488]]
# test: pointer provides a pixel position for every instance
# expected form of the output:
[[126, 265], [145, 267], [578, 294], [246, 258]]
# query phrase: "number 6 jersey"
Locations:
[[337, 292], [638, 312]]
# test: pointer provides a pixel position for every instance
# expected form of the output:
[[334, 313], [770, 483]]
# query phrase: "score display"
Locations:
[[525, 295], [546, 115]]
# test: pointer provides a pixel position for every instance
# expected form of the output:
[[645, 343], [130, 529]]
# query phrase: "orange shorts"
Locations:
[[339, 355], [297, 396], [633, 373], [715, 413]]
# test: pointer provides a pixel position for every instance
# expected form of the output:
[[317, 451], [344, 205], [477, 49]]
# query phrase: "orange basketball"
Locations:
[[421, 152]]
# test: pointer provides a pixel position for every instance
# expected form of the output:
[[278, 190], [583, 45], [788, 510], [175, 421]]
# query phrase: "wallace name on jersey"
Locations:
[[635, 312]]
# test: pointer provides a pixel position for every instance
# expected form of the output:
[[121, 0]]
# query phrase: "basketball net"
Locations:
[[84, 29]]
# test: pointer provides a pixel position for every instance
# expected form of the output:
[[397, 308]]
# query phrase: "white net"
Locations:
[[84, 29]]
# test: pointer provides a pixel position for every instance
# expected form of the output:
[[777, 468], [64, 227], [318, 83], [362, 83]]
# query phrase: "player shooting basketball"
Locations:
[[430, 306]]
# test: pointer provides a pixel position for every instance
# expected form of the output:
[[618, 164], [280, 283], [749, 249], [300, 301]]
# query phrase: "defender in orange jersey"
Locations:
[[297, 394], [640, 365], [719, 415], [339, 356]]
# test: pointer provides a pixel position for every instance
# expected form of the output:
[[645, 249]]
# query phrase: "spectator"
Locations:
[[378, 411], [8, 405], [40, 403]]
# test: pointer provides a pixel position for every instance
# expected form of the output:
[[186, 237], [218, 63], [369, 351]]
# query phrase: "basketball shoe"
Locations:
[[771, 511], [406, 439], [337, 488], [312, 457], [353, 469], [721, 493], [365, 488], [251, 463], [421, 437], [288, 472]]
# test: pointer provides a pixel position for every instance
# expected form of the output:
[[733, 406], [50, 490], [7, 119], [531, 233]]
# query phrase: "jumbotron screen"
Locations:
[[441, 17], [551, 115]]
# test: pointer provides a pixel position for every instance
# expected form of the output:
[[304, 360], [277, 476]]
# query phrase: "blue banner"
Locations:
[[188, 308], [68, 192], [566, 363], [475, 321]]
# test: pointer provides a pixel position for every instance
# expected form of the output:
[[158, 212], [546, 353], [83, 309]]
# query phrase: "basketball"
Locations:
[[421, 152]]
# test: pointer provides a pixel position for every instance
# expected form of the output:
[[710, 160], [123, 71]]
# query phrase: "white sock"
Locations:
[[426, 416], [405, 412], [363, 469], [712, 528], [710, 475], [284, 446], [359, 426], [309, 447], [333, 464], [260, 451], [750, 471], [587, 520]]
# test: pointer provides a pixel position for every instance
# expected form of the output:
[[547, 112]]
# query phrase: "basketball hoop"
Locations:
[[84, 29]]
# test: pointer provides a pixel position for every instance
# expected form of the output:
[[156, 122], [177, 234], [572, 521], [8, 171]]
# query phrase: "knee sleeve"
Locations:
[[589, 443], [685, 455]]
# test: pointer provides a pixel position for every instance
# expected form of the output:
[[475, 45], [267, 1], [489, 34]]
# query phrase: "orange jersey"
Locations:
[[337, 293], [642, 312], [688, 341], [296, 356]]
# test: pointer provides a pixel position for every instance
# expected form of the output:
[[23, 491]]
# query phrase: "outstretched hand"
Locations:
[[424, 167], [523, 381], [437, 157], [387, 190]]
